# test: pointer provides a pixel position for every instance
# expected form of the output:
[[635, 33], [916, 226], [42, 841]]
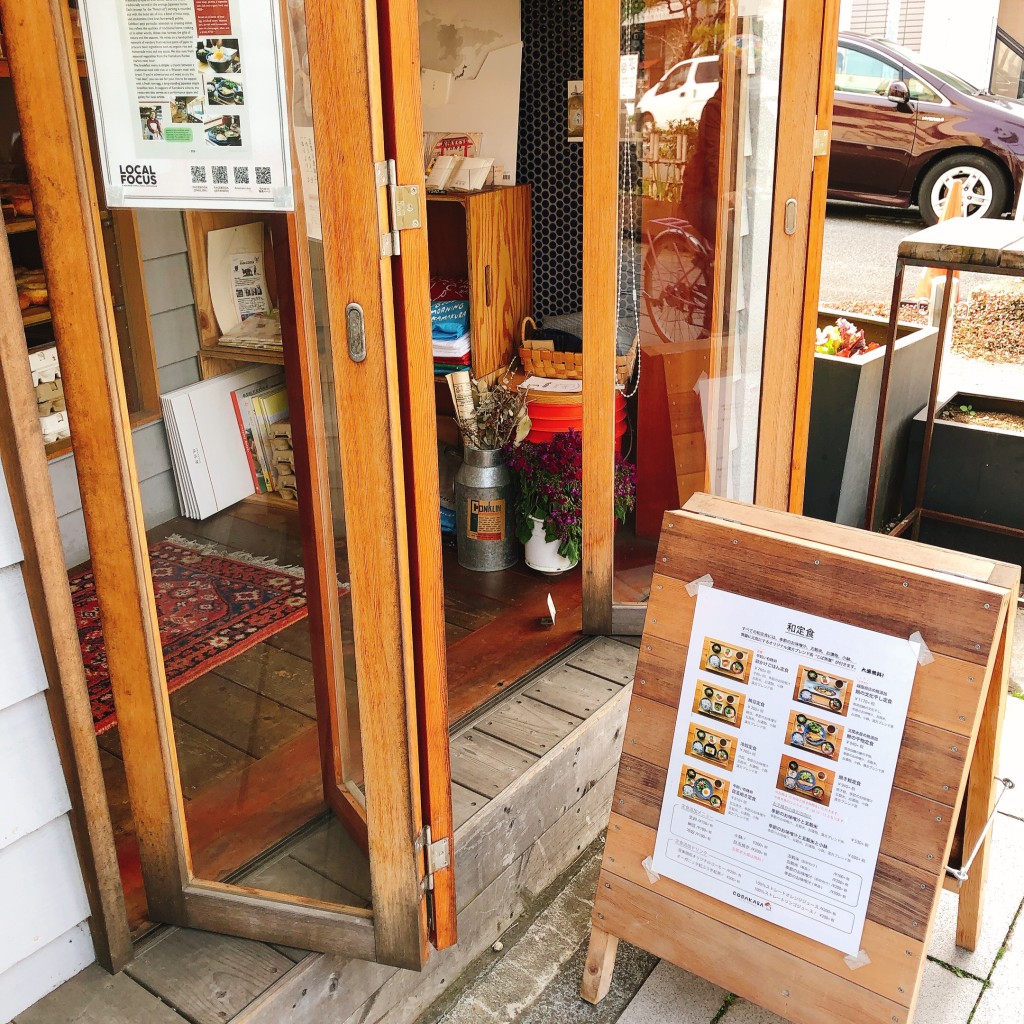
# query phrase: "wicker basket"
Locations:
[[540, 358]]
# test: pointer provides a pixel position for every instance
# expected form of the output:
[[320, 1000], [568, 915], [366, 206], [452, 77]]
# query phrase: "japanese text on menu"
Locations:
[[785, 745]]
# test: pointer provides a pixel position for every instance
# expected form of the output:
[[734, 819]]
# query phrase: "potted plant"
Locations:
[[548, 501], [844, 402]]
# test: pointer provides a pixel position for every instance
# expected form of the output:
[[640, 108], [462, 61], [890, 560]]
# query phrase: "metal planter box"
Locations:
[[974, 471], [844, 403]]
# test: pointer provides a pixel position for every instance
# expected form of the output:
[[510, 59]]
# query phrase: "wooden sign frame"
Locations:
[[963, 607]]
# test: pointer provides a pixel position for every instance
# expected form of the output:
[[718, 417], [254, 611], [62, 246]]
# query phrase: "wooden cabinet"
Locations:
[[484, 237]]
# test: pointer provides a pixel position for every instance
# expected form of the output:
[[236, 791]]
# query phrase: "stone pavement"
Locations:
[[535, 979]]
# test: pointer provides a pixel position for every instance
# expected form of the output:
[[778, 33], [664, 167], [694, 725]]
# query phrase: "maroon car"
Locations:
[[903, 132]]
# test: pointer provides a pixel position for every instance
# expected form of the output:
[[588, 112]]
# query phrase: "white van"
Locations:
[[681, 93]]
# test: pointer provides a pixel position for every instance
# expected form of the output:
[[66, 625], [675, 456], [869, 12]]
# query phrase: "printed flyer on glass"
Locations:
[[785, 745], [190, 103]]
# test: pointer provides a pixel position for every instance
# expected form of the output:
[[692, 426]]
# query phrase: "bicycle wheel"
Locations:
[[676, 287]]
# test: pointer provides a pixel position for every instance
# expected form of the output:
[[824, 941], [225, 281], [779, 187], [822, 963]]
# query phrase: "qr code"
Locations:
[[220, 174], [198, 175], [262, 175], [241, 175]]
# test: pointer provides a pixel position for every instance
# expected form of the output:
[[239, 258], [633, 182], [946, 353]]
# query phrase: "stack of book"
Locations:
[[220, 433]]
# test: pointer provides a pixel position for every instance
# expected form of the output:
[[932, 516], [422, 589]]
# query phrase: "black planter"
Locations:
[[974, 471], [844, 403]]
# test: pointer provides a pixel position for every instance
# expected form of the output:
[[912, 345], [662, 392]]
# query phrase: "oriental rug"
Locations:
[[210, 607]]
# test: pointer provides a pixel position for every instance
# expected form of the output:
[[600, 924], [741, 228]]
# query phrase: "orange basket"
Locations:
[[540, 358]]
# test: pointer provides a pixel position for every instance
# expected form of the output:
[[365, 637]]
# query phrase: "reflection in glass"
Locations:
[[697, 161]]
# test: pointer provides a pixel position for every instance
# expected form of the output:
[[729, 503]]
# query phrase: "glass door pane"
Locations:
[[696, 172]]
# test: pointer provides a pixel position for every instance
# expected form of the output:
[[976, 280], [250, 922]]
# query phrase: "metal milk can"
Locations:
[[483, 511]]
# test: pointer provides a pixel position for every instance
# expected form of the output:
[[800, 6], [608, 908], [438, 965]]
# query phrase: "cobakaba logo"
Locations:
[[763, 904], [137, 174]]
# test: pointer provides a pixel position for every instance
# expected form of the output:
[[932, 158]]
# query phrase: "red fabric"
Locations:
[[448, 289], [209, 608]]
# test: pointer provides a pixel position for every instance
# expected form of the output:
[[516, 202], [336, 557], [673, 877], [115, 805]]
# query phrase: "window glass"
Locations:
[[677, 77], [860, 72], [922, 91], [707, 71]]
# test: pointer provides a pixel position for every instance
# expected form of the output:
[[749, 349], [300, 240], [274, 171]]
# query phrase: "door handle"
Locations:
[[487, 285], [355, 332], [790, 222]]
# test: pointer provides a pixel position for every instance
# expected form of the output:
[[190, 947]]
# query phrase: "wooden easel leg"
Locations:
[[982, 791], [597, 971]]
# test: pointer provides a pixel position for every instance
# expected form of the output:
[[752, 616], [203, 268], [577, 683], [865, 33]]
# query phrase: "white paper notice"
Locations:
[[249, 284], [190, 103], [785, 746]]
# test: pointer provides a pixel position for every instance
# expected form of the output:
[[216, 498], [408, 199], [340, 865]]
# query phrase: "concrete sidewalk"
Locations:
[[535, 979]]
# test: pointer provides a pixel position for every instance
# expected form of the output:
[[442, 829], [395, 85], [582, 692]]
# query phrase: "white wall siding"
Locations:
[[176, 343], [45, 970], [156, 483], [22, 674], [32, 788], [43, 907]]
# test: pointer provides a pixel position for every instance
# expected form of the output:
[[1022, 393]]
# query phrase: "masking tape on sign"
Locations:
[[860, 960], [924, 655], [702, 581], [652, 876]]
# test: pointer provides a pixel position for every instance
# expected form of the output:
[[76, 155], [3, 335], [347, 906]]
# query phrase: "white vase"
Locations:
[[542, 554]]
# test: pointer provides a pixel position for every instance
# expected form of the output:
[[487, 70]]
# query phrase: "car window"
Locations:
[[707, 71], [676, 78], [861, 72], [922, 91]]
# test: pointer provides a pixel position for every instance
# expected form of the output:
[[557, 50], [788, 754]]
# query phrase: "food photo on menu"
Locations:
[[224, 131], [726, 660], [822, 690], [718, 703], [704, 790], [806, 733], [225, 91], [218, 56], [806, 780]]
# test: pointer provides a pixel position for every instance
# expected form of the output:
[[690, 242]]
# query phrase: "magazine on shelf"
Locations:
[[257, 448]]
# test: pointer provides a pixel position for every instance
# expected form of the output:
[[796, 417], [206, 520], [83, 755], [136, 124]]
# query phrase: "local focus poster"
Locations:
[[785, 745], [190, 102]]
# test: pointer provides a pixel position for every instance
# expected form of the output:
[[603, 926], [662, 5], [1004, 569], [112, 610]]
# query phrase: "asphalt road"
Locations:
[[860, 254], [858, 265]]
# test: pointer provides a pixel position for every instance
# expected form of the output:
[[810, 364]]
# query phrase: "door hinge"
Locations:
[[404, 209], [438, 855], [821, 141]]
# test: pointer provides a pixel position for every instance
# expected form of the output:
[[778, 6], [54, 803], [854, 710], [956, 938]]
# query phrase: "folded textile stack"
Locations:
[[449, 319]]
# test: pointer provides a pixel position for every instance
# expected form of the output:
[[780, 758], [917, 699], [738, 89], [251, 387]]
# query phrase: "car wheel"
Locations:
[[984, 186]]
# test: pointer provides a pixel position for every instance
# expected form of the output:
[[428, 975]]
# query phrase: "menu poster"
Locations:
[[783, 755], [190, 103]]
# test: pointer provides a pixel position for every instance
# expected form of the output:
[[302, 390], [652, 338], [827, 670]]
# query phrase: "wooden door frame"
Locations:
[[55, 139], [788, 359]]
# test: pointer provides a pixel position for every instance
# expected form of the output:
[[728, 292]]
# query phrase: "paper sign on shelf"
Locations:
[[783, 755]]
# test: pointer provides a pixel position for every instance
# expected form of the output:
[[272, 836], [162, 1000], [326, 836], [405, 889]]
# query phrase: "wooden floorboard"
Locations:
[[486, 765], [236, 714], [293, 878], [274, 673], [528, 724], [607, 658], [208, 978], [332, 852], [96, 997], [573, 690], [465, 803]]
